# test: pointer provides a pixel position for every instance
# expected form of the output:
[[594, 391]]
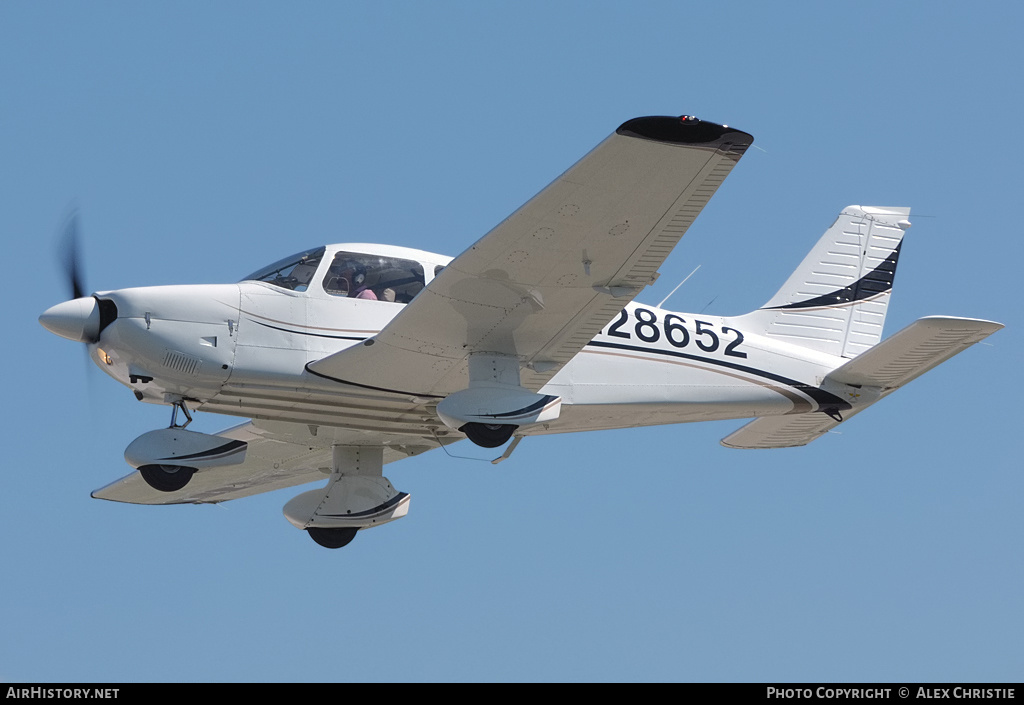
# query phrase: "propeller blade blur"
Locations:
[[72, 261]]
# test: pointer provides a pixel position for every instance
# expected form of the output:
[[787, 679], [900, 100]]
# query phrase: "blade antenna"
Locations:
[[677, 287]]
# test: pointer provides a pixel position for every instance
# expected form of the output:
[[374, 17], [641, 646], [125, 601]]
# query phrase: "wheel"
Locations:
[[166, 478], [332, 538], [488, 435]]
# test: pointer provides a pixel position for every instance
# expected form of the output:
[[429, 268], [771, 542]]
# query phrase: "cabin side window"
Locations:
[[361, 276]]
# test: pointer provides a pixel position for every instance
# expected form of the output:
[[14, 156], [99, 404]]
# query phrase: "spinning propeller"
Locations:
[[72, 261], [84, 317]]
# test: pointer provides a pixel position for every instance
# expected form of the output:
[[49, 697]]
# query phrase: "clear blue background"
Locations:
[[203, 140]]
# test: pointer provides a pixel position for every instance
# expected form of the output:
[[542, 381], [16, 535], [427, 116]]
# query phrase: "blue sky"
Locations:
[[203, 140]]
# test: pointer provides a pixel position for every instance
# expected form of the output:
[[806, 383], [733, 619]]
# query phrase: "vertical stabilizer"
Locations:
[[837, 298]]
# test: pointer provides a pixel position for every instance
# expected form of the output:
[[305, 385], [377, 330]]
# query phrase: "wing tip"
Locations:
[[685, 130], [982, 325]]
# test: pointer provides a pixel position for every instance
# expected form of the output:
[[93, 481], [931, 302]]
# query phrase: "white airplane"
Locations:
[[348, 357]]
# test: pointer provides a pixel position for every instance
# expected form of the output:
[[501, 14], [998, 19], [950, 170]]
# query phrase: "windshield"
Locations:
[[293, 272]]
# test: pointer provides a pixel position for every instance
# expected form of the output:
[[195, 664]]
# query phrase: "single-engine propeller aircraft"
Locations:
[[348, 357]]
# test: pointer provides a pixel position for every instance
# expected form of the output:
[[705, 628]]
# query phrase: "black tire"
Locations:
[[488, 435], [332, 538], [166, 478]]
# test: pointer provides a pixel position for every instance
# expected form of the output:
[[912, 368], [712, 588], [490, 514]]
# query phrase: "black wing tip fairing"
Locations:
[[686, 130]]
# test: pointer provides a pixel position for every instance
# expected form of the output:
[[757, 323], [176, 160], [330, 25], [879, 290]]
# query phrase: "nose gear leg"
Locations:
[[175, 405]]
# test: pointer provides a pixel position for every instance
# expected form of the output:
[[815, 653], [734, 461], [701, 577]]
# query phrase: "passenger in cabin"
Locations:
[[348, 278], [373, 277], [361, 291]]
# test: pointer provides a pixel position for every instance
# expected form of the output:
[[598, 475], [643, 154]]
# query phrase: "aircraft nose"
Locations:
[[78, 319]]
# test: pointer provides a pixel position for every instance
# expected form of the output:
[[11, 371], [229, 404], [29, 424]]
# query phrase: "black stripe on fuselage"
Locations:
[[823, 398], [820, 396], [302, 332]]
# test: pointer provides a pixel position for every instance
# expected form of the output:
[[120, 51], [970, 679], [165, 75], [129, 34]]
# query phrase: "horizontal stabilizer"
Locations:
[[781, 431], [913, 351], [886, 367]]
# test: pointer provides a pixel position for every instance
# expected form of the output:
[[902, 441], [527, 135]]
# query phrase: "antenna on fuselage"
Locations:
[[677, 287], [709, 303]]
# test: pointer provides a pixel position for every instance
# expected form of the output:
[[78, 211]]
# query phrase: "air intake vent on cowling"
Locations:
[[180, 362]]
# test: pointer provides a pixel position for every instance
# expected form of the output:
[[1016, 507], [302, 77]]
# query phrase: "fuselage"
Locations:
[[242, 350]]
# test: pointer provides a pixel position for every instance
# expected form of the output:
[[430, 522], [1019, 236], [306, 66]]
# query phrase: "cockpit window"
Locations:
[[293, 272], [361, 276]]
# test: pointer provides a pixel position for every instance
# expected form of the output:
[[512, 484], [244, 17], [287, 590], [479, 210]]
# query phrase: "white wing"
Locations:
[[279, 455], [542, 283]]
